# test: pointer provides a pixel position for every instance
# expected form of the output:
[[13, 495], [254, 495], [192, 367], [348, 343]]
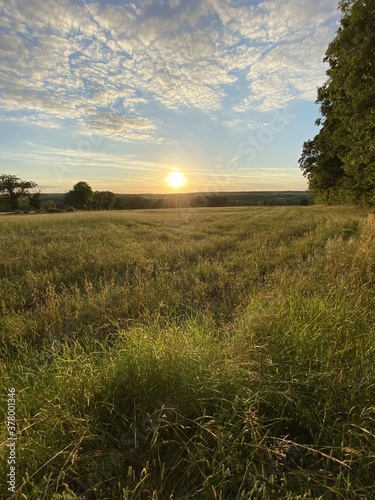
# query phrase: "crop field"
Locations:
[[223, 353]]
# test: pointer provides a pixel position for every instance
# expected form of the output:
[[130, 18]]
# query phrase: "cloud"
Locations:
[[106, 66], [67, 162], [290, 38], [119, 127], [242, 124], [38, 119]]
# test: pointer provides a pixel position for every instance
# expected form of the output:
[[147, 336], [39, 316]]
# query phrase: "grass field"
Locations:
[[208, 354]]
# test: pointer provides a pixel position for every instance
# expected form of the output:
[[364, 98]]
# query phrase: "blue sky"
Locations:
[[120, 93]]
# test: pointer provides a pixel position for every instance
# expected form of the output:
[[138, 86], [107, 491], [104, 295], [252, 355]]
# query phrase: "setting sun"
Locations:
[[176, 179]]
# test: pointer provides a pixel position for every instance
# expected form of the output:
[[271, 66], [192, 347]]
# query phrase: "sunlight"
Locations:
[[176, 180]]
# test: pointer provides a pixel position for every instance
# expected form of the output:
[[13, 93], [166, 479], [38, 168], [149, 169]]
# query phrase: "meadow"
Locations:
[[223, 353]]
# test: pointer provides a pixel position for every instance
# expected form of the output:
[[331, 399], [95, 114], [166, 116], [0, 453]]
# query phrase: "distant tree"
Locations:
[[140, 203], [36, 201], [207, 200], [13, 189], [121, 203], [103, 200], [49, 206], [217, 201], [81, 196], [304, 202], [199, 201]]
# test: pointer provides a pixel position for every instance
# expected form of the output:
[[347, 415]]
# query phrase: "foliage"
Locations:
[[209, 201], [208, 353], [103, 200], [49, 206], [81, 196], [340, 161], [13, 189], [36, 201], [193, 200]]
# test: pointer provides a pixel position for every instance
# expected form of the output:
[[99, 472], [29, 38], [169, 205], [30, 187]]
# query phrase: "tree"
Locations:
[[36, 201], [340, 161], [121, 203], [81, 196], [103, 200], [13, 189]]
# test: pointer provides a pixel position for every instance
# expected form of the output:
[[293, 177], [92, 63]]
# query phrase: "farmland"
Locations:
[[195, 353]]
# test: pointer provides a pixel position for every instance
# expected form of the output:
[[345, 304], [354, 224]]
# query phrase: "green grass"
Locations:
[[210, 353]]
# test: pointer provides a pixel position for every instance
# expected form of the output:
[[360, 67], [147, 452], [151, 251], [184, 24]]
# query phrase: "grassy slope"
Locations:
[[211, 353]]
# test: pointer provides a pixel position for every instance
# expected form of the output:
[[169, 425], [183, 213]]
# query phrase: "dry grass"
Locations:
[[211, 353]]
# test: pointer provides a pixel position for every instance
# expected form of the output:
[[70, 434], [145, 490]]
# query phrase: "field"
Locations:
[[223, 353]]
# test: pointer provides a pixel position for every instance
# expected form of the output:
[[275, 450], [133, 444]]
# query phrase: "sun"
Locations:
[[176, 180]]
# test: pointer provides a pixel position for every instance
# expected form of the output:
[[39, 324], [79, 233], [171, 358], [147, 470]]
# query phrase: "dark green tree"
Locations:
[[81, 196], [340, 161], [13, 189], [121, 202], [103, 200], [36, 201]]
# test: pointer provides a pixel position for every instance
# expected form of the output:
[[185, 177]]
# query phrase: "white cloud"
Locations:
[[117, 126], [242, 124], [291, 67], [40, 120], [68, 60], [66, 161]]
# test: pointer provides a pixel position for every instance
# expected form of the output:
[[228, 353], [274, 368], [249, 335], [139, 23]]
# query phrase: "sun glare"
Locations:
[[176, 180]]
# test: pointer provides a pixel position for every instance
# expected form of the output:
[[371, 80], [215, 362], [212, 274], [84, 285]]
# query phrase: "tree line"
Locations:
[[82, 197], [339, 162], [17, 195]]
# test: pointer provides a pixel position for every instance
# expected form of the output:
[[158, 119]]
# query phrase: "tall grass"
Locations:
[[214, 353]]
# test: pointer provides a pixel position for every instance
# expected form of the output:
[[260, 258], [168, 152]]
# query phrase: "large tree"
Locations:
[[340, 161], [13, 189], [81, 196]]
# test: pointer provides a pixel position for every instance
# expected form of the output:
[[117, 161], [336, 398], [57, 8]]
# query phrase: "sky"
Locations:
[[120, 93]]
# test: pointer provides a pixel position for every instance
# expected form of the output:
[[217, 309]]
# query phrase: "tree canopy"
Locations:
[[84, 198], [103, 200], [340, 161], [13, 188], [81, 196]]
